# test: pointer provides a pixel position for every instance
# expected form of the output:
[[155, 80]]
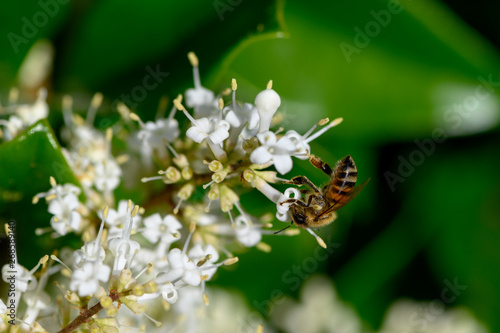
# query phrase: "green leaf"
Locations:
[[395, 84], [26, 163]]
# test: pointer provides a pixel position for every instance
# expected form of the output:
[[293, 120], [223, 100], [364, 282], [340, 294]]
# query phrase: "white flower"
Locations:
[[199, 252], [88, 142], [85, 280], [36, 301], [60, 191], [200, 98], [247, 234], [107, 175], [24, 279], [267, 103], [181, 267], [216, 130], [238, 116], [301, 142], [90, 252], [282, 208], [319, 310], [166, 229], [276, 151], [123, 248], [65, 218], [30, 114], [155, 134], [13, 126], [301, 146], [169, 293], [118, 219], [420, 317]]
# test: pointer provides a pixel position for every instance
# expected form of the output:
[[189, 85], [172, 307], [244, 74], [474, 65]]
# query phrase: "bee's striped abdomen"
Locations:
[[344, 177]]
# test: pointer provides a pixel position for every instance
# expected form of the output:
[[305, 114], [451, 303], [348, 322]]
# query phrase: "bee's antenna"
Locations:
[[277, 232]]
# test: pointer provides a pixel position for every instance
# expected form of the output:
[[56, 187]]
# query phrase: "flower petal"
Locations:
[[282, 163]]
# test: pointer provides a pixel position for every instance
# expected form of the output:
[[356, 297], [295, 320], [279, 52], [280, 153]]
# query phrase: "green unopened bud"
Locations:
[[187, 173], [112, 310], [213, 193], [138, 290], [181, 161], [106, 301], [171, 175], [250, 144], [131, 302], [150, 287], [186, 191], [249, 176], [268, 176], [73, 298], [219, 176], [125, 276], [227, 198], [113, 282], [214, 166]]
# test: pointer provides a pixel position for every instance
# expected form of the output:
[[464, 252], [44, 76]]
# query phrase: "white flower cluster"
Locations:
[[177, 239], [18, 116], [320, 309]]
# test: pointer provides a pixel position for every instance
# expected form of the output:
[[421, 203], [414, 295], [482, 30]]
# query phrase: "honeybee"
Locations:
[[320, 205]]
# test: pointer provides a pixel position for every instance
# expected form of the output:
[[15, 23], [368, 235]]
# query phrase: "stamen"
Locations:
[[124, 111], [264, 247], [221, 106], [207, 209], [333, 123], [242, 212], [41, 231], [204, 260], [143, 270], [172, 150], [318, 239], [234, 86], [193, 59], [208, 184], [181, 107], [233, 224], [13, 96], [154, 321], [231, 261], [135, 117], [53, 257], [176, 209], [162, 107], [94, 105], [148, 179], [67, 108], [310, 131], [192, 229]]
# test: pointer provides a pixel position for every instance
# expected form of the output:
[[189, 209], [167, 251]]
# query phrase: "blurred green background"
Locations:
[[417, 84]]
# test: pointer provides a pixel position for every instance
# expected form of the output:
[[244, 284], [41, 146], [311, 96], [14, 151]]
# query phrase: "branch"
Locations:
[[86, 315]]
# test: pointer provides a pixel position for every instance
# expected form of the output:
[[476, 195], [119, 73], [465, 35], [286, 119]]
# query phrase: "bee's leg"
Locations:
[[318, 163], [299, 202], [302, 180], [288, 226]]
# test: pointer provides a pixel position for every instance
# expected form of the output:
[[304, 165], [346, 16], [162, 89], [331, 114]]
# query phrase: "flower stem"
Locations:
[[87, 314]]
